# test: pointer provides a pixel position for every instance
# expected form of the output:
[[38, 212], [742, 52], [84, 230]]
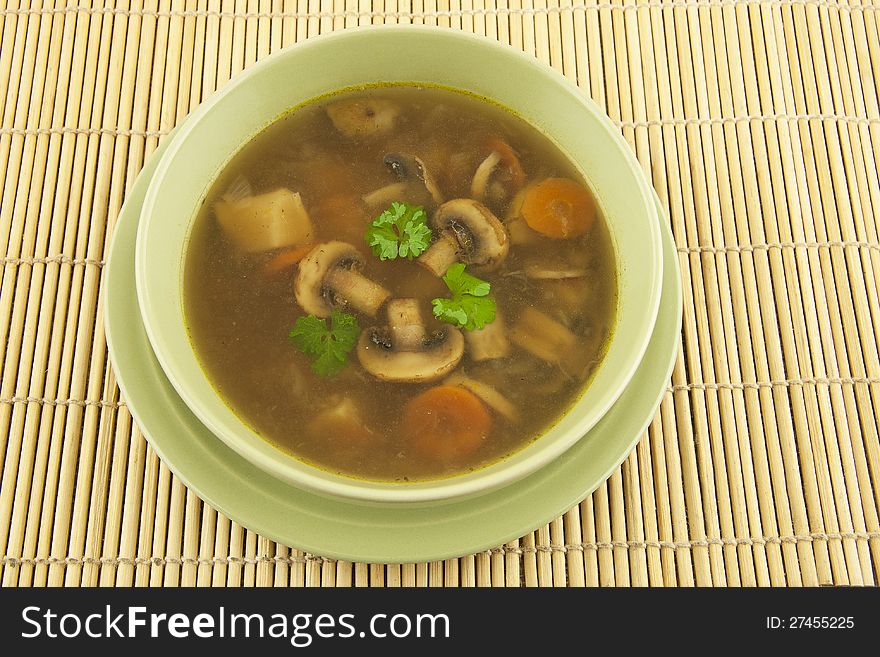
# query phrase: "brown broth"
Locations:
[[239, 320]]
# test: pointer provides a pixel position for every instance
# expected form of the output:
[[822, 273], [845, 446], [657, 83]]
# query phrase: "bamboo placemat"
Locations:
[[757, 122]]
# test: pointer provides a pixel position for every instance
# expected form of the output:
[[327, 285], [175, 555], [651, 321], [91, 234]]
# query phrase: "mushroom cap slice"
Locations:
[[325, 274], [481, 237], [406, 167], [440, 354], [363, 117]]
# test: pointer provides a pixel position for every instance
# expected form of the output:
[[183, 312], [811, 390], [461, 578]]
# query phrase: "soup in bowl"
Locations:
[[398, 280]]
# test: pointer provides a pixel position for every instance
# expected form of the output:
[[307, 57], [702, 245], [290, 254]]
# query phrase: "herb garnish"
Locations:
[[328, 348], [402, 230], [470, 307]]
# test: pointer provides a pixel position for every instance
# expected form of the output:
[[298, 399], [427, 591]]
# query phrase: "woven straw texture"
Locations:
[[757, 122]]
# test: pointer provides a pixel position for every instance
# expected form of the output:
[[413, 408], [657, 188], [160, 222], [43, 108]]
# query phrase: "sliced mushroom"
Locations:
[[544, 271], [488, 342], [385, 195], [517, 228], [405, 323], [408, 168], [487, 394], [543, 336], [363, 117], [404, 351], [329, 277], [571, 296], [342, 422], [469, 233], [480, 183]]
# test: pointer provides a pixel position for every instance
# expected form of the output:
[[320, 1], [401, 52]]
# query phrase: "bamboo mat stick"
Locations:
[[174, 534], [589, 537], [774, 518], [210, 535], [515, 25], [728, 468], [158, 545], [575, 575], [12, 61], [654, 71], [746, 506], [26, 499], [190, 521], [275, 23], [633, 107], [77, 332], [377, 574], [512, 564], [167, 488], [467, 573], [764, 362], [14, 288], [245, 543], [658, 530], [857, 399], [653, 460], [827, 502], [713, 493], [796, 351], [605, 74], [102, 536], [691, 411], [558, 549], [141, 536], [620, 549], [826, 398], [139, 520], [866, 102], [328, 572], [603, 535], [106, 573], [281, 571], [345, 574], [148, 519], [864, 299], [482, 566], [633, 529], [530, 561], [234, 568]]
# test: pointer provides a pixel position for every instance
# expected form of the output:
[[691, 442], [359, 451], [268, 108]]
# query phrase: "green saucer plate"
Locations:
[[352, 531]]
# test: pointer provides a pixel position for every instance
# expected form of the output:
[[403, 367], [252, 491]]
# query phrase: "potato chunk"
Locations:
[[266, 221]]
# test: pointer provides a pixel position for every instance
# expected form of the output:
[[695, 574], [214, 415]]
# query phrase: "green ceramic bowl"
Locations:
[[405, 54]]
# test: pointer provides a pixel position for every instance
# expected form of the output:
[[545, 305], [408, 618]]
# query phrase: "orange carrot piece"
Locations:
[[285, 260], [511, 161], [559, 208], [445, 423]]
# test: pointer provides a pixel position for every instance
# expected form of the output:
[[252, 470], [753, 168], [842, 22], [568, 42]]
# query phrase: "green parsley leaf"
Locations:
[[470, 307], [401, 231], [328, 347], [459, 282]]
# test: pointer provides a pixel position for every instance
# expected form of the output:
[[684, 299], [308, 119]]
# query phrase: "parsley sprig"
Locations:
[[470, 307], [400, 231], [328, 347]]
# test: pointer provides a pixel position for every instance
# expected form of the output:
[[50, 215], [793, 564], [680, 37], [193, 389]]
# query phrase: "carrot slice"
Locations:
[[285, 260], [559, 208], [445, 423]]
